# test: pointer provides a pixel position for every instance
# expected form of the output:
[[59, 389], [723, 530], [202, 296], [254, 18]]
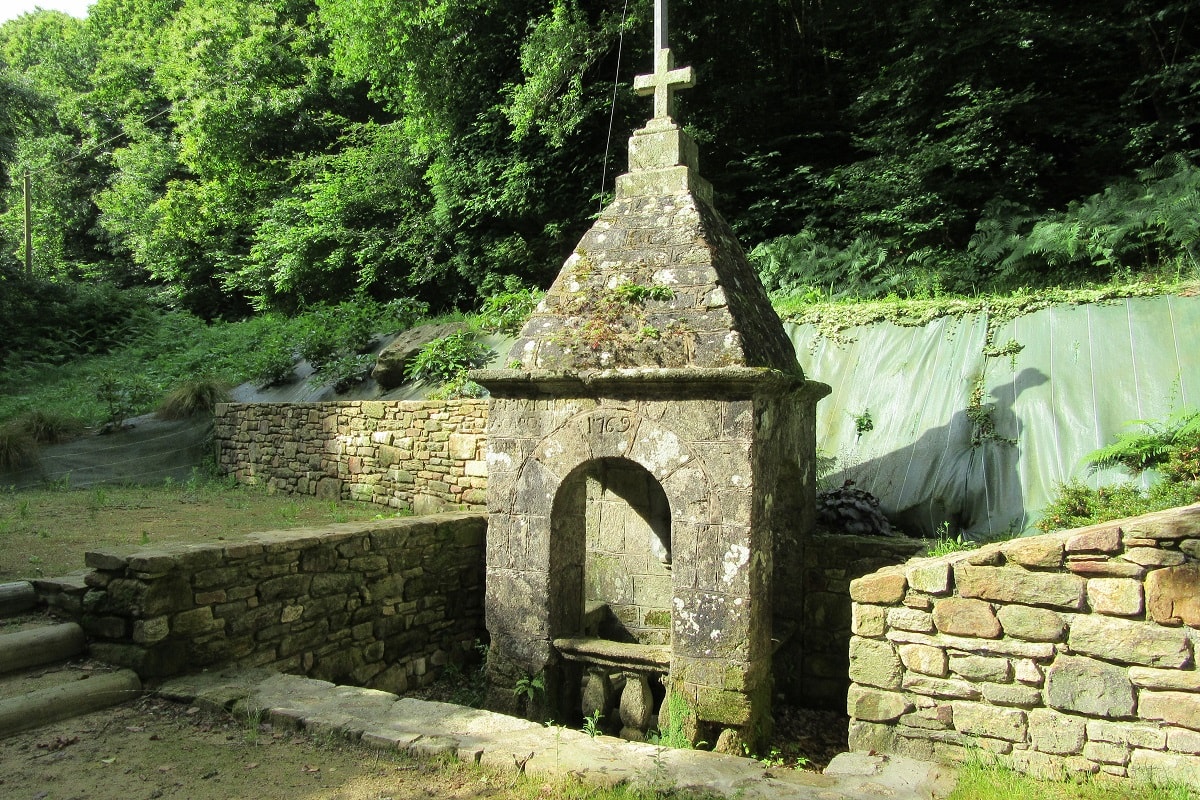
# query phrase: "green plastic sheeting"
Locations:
[[1049, 388]]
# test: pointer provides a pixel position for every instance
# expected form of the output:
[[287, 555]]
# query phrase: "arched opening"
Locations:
[[611, 554]]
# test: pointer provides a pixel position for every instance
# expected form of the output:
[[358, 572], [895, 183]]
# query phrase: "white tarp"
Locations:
[[1082, 374]]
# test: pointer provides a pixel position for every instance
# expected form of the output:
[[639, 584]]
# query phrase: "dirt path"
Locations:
[[154, 749]]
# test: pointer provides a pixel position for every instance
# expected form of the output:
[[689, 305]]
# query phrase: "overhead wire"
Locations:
[[612, 114]]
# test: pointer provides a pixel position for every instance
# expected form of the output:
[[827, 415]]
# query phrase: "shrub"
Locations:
[[506, 312], [444, 359], [122, 397], [1172, 446], [192, 398], [17, 447], [48, 426], [272, 364], [344, 371]]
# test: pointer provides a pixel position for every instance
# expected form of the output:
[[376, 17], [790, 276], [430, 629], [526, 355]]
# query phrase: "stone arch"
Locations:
[[610, 567], [605, 435]]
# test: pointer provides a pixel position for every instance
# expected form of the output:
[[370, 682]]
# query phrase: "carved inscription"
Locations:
[[600, 424]]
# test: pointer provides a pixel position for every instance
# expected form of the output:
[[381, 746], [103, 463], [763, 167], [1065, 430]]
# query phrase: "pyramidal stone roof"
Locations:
[[658, 282]]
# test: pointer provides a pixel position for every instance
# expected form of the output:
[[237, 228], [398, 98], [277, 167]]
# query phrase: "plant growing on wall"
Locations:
[[611, 326]]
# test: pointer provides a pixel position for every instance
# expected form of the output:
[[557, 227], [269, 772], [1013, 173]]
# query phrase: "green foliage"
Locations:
[[945, 543], [1150, 447], [344, 371], [984, 777], [679, 712], [863, 423], [444, 359], [272, 364], [531, 688], [48, 426], [506, 311], [17, 447], [1173, 447], [637, 293], [193, 398], [122, 396]]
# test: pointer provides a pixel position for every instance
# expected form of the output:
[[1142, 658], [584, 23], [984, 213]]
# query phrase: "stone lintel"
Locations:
[[725, 383]]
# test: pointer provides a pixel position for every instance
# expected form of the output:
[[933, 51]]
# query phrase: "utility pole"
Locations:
[[28, 227]]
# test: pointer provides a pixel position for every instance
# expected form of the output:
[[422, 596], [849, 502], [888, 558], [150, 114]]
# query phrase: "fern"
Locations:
[[1150, 447]]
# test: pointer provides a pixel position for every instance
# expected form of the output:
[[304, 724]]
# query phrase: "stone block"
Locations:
[[872, 705], [961, 617], [1173, 708], [1173, 595], [1034, 551], [1012, 694], [1165, 767], [1032, 624], [1153, 556], [868, 620], [924, 659], [1047, 767], [1099, 567], [981, 719], [882, 588], [1132, 642], [1086, 686], [1017, 585], [935, 718], [1116, 597], [948, 688], [1028, 672], [1182, 740], [993, 647], [1100, 539], [1171, 679], [874, 663], [1175, 524], [931, 577], [1052, 732], [982, 668], [910, 619], [1106, 753], [1130, 733]]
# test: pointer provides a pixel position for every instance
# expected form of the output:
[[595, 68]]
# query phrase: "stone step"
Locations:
[[46, 644], [45, 677], [72, 698], [17, 597]]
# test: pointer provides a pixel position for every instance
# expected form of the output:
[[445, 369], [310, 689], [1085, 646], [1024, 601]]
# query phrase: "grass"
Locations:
[[981, 780], [45, 532]]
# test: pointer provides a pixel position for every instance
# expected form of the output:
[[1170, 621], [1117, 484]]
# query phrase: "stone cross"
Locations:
[[665, 79]]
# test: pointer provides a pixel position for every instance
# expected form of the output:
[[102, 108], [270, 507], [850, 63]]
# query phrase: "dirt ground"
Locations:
[[156, 749]]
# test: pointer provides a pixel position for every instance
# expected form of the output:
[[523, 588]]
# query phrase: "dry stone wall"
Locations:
[[811, 664], [425, 455], [1068, 653], [379, 604]]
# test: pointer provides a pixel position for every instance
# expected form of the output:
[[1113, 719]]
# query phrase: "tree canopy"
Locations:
[[239, 154]]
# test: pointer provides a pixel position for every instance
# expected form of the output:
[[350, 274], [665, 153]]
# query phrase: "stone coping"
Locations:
[[434, 730], [676, 383], [620, 655]]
